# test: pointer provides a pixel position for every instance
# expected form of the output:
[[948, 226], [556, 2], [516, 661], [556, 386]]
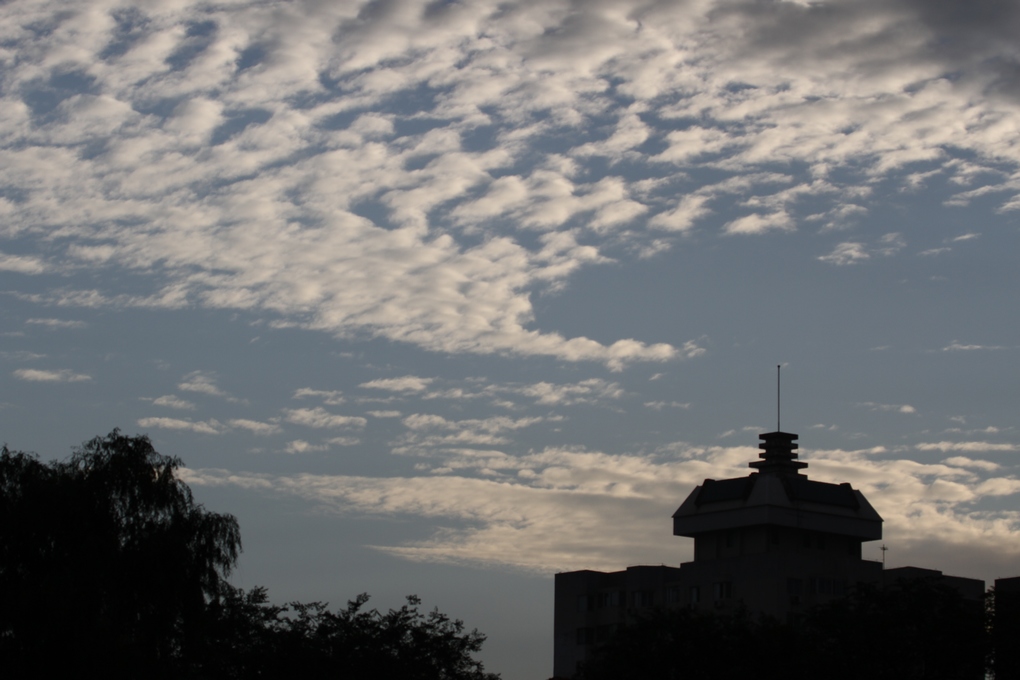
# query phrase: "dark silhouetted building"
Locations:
[[773, 541], [1006, 629]]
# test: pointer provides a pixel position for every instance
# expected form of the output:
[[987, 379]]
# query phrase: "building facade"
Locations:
[[773, 541]]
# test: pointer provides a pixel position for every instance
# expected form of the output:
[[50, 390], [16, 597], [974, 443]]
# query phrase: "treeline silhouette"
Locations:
[[915, 629], [109, 567]]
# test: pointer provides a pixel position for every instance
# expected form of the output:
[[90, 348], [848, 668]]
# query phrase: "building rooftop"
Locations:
[[777, 494]]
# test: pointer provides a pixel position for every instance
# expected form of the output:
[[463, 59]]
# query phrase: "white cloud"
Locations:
[[202, 383], [41, 375], [329, 397], [408, 383], [567, 96], [202, 427], [659, 405], [343, 441], [173, 401], [318, 417], [430, 432], [758, 224], [970, 462], [57, 323], [254, 426], [22, 264], [965, 446], [961, 347], [559, 509], [846, 253], [896, 408], [585, 391], [301, 446], [890, 244]]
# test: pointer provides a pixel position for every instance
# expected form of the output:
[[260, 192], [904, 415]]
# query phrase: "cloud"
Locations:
[[202, 383], [254, 426], [301, 446], [758, 224], [890, 244], [583, 392], [59, 375], [343, 441], [965, 446], [560, 509], [206, 427], [659, 405], [173, 401], [408, 383], [57, 323], [428, 432], [318, 417], [895, 408], [962, 461], [329, 397], [22, 264], [282, 164], [960, 347], [846, 253]]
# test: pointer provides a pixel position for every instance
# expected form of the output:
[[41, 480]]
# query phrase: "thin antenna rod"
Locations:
[[778, 399]]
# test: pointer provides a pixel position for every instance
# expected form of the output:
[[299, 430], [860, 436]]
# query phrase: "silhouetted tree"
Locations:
[[912, 629], [107, 562], [250, 638]]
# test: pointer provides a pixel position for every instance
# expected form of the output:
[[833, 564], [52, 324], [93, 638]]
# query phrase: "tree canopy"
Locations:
[[107, 563], [106, 558]]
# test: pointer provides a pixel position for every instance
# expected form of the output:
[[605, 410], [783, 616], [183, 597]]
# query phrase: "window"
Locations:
[[583, 603], [794, 588], [723, 590], [612, 598], [695, 594], [673, 595], [585, 636], [642, 598]]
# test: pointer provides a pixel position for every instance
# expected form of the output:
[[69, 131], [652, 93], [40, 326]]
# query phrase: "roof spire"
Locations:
[[779, 400], [777, 454]]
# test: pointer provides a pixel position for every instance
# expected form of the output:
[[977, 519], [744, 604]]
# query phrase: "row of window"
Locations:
[[809, 539], [796, 587], [614, 598], [591, 635], [721, 590]]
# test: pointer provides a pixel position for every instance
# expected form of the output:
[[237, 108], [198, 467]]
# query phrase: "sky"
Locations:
[[445, 297]]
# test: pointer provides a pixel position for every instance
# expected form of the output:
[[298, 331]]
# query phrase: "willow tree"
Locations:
[[106, 561]]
